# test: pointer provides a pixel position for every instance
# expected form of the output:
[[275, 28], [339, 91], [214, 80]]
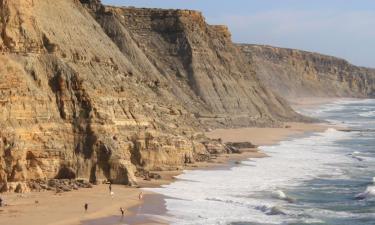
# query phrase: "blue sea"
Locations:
[[320, 178]]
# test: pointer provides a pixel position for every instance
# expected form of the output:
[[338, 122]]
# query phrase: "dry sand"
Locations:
[[266, 136], [67, 208]]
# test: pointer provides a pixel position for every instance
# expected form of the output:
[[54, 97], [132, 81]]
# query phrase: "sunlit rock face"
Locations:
[[99, 93]]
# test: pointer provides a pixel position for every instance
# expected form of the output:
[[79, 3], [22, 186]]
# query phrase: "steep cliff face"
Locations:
[[88, 91], [73, 105], [204, 69], [294, 73]]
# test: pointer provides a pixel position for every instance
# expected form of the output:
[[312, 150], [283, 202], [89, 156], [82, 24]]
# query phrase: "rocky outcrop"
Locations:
[[100, 93], [294, 73]]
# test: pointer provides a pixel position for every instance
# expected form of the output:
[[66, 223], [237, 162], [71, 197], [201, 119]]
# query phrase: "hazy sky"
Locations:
[[344, 28]]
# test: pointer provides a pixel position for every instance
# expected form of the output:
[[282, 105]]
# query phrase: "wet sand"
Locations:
[[154, 205]]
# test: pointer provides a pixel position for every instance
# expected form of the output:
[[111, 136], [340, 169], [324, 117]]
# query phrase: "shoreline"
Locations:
[[224, 161], [103, 208]]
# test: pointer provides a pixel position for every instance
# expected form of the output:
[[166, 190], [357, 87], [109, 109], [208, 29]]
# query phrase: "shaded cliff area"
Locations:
[[294, 73], [103, 93]]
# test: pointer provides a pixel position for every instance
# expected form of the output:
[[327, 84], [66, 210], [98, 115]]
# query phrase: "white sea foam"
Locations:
[[224, 196], [324, 109], [349, 112], [368, 193], [354, 100], [341, 105], [254, 193], [370, 190], [279, 194], [355, 155], [368, 114]]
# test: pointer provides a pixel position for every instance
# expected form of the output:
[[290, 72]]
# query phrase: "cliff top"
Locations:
[[192, 16], [295, 52]]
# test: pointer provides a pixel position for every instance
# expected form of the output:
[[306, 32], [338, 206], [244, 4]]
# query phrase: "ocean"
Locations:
[[320, 178]]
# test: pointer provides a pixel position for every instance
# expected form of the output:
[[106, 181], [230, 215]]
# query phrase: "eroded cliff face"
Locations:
[[72, 105], [203, 68], [95, 92], [294, 73]]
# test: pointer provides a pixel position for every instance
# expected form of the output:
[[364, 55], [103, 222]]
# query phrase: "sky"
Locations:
[[342, 28]]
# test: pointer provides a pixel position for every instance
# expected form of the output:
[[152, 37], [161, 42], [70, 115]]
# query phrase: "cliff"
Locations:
[[294, 73], [199, 62], [104, 93]]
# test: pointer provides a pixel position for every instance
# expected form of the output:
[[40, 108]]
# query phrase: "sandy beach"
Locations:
[[266, 136], [68, 208], [257, 136]]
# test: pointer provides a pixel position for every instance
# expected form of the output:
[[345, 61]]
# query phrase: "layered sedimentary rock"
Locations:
[[72, 105], [95, 92], [295, 73], [204, 69]]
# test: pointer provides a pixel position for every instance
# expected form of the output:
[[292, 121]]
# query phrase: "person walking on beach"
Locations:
[[122, 211], [110, 187], [86, 207], [140, 196], [1, 202]]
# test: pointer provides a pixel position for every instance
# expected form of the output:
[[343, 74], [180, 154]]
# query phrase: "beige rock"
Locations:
[[18, 187], [197, 62], [100, 92], [294, 73]]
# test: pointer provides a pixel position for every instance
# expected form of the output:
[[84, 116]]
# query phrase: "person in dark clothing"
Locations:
[[122, 211], [86, 207], [1, 202], [110, 187]]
